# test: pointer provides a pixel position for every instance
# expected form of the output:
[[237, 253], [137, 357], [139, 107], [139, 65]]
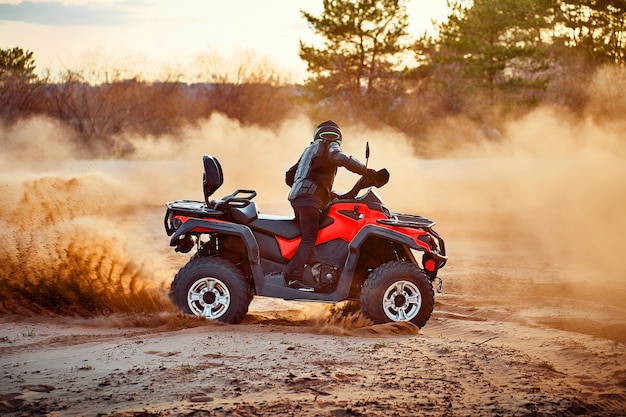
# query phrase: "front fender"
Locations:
[[385, 233]]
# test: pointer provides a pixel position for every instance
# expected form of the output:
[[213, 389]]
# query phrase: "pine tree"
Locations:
[[494, 45], [18, 84], [594, 28], [16, 63], [359, 65]]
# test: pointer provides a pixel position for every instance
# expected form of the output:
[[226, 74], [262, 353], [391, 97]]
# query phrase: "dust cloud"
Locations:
[[86, 236], [63, 252]]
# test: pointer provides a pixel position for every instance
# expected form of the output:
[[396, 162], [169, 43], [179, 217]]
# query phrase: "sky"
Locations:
[[166, 37]]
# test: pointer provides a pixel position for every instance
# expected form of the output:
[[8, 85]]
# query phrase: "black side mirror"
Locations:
[[367, 152]]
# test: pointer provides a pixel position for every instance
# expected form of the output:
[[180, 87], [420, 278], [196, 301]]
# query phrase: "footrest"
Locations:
[[275, 279]]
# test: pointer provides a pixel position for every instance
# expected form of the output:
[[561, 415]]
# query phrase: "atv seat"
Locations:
[[244, 214], [285, 227]]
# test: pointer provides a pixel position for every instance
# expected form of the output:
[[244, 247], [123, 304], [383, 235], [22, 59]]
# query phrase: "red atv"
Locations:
[[363, 253]]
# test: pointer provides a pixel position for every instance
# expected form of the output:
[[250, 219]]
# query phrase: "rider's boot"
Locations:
[[294, 283]]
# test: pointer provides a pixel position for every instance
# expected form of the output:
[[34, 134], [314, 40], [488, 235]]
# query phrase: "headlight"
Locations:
[[434, 245]]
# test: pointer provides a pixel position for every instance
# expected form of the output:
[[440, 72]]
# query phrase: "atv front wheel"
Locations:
[[398, 291], [213, 288]]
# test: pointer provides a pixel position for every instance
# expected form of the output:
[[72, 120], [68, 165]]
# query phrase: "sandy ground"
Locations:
[[500, 352], [531, 321], [277, 365]]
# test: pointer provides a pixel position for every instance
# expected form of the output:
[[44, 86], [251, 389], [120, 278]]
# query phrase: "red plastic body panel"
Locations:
[[346, 227]]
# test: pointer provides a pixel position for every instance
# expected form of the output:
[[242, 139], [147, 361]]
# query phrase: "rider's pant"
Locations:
[[309, 218]]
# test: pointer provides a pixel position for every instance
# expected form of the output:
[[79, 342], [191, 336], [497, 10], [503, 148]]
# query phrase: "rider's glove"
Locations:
[[370, 174]]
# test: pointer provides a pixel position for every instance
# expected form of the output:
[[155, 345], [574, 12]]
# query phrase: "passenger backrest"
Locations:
[[212, 178]]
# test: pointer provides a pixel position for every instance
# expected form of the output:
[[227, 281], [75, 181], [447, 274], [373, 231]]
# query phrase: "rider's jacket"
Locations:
[[311, 178]]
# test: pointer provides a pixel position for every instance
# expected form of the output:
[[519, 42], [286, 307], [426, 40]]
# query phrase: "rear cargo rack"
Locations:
[[187, 208], [192, 208]]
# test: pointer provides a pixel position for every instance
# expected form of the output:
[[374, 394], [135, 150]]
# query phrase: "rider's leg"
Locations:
[[309, 219]]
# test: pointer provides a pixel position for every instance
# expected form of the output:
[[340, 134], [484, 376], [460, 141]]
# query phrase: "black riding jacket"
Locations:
[[311, 178]]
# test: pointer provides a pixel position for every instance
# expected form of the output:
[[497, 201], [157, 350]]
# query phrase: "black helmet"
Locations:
[[328, 130]]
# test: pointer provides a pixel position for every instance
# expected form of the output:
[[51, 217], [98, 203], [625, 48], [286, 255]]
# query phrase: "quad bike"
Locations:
[[364, 253]]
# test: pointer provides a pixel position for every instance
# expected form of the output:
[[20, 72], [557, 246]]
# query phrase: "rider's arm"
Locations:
[[339, 158], [290, 175]]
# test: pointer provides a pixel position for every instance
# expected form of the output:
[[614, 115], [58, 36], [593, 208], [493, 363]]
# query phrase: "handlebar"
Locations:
[[380, 178]]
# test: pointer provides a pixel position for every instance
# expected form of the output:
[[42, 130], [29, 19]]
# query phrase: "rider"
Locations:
[[311, 181]]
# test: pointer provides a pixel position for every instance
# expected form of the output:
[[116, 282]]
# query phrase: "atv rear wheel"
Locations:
[[398, 291], [213, 288]]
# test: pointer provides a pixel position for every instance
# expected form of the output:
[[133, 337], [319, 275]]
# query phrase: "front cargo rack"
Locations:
[[407, 220]]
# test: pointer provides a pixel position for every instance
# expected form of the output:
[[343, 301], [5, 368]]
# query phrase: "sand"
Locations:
[[531, 321], [461, 363], [497, 344]]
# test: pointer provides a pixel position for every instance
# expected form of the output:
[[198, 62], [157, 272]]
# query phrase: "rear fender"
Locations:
[[197, 227]]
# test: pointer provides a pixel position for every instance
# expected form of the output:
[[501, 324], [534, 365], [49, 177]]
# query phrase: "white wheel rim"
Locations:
[[402, 301], [208, 297]]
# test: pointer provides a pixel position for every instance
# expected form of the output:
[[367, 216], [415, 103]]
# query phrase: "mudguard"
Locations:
[[197, 226], [372, 230]]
